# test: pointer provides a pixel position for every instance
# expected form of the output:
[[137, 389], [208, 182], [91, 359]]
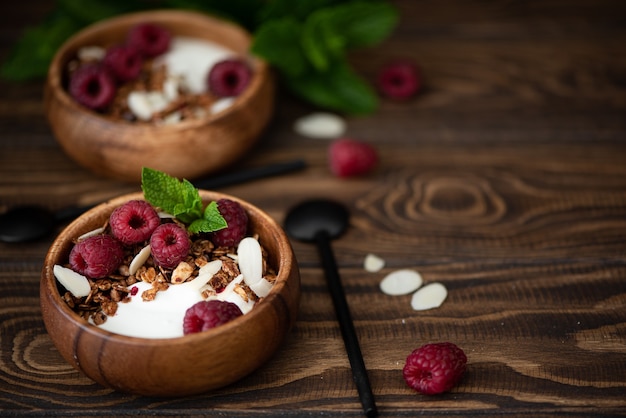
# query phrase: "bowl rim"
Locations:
[[54, 77], [50, 282]]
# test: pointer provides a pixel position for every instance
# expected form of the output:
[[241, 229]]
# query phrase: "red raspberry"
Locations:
[[97, 256], [92, 86], [237, 220], [208, 314], [400, 80], [124, 62], [134, 222], [229, 78], [149, 39], [349, 157], [434, 368], [169, 245]]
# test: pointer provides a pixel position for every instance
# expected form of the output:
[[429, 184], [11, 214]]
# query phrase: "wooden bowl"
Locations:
[[181, 366], [189, 149]]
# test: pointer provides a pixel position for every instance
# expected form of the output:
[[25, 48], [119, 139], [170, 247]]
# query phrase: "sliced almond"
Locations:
[[182, 272], [250, 260], [75, 283], [320, 125], [93, 233], [428, 297], [373, 263], [139, 260], [261, 288], [401, 282]]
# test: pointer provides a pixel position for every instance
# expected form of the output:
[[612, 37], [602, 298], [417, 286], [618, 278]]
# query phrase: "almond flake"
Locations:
[[139, 260], [250, 259], [93, 233], [182, 272], [401, 282], [261, 288], [75, 283], [320, 125], [430, 296], [373, 263]]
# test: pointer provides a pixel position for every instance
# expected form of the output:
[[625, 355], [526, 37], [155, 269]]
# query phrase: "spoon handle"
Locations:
[[359, 372]]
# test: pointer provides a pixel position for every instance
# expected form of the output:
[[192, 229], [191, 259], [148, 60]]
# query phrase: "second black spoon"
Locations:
[[320, 221]]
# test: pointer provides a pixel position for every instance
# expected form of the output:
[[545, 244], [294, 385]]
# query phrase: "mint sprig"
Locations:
[[182, 200]]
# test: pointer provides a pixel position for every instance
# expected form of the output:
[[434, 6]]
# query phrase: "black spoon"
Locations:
[[320, 221], [30, 223]]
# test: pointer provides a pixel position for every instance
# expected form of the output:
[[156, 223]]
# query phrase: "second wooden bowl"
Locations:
[[189, 149]]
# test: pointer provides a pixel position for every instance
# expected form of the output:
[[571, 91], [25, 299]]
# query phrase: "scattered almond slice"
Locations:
[[139, 260], [373, 263], [430, 296], [261, 288], [401, 282], [86, 235], [320, 125], [250, 260], [75, 283]]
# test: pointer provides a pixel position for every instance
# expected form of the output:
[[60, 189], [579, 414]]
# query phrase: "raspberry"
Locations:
[[208, 314], [134, 222], [237, 220], [96, 256], [349, 157], [434, 368], [149, 39], [400, 80], [169, 245], [92, 86], [229, 78], [124, 62]]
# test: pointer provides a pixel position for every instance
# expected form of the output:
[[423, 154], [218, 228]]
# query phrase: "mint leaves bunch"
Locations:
[[307, 41], [182, 200], [309, 48]]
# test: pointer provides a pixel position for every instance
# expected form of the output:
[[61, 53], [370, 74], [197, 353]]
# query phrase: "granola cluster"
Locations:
[[108, 292]]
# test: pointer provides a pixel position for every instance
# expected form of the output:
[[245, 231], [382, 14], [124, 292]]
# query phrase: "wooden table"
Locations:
[[505, 180]]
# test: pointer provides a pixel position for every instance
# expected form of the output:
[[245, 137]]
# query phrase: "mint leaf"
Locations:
[[278, 41], [362, 23], [339, 89], [178, 198], [212, 220]]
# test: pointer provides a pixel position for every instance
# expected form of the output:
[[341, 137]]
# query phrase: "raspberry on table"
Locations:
[[399, 80], [434, 368], [124, 62], [205, 315], [92, 86], [134, 222], [237, 220], [97, 256], [349, 157], [149, 39], [229, 77], [169, 245]]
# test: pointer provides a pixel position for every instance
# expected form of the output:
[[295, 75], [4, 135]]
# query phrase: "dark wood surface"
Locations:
[[505, 180]]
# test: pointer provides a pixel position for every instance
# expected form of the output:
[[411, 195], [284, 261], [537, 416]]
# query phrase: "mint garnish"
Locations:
[[180, 199]]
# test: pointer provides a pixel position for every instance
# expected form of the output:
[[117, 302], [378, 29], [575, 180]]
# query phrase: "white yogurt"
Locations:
[[191, 59], [158, 318]]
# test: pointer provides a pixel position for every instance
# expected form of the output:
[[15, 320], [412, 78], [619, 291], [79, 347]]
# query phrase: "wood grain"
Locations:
[[505, 180]]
